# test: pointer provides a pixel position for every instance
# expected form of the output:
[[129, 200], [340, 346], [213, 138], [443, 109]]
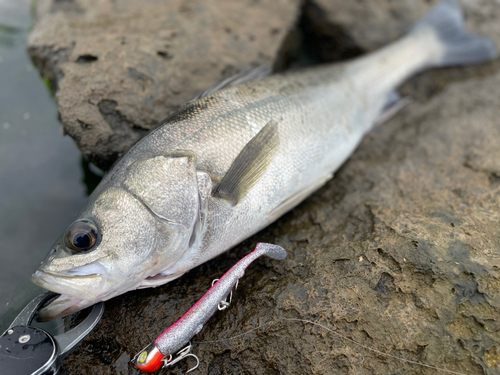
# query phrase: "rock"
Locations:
[[348, 28], [119, 68], [399, 252]]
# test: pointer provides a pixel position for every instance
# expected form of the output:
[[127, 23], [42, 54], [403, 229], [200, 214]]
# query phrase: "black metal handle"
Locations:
[[26, 350]]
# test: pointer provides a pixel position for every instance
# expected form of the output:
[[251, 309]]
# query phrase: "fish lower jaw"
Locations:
[[62, 306]]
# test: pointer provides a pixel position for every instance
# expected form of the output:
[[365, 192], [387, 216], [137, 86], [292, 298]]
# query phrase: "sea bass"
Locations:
[[230, 163]]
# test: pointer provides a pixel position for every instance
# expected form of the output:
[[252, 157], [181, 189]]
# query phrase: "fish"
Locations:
[[231, 162], [161, 351]]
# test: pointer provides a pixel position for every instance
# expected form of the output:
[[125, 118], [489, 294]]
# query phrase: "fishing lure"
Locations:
[[161, 351]]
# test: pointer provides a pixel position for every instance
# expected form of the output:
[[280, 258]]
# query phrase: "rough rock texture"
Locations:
[[399, 252], [120, 67]]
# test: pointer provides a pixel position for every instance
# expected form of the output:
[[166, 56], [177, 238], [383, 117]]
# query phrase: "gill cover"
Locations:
[[167, 187]]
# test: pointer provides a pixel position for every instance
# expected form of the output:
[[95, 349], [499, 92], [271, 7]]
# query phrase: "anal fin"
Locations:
[[251, 163], [394, 104]]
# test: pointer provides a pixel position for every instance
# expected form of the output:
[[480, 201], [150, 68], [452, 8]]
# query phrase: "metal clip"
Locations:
[[225, 304], [183, 353]]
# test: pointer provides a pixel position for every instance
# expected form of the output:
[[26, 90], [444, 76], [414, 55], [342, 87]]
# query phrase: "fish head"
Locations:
[[136, 226]]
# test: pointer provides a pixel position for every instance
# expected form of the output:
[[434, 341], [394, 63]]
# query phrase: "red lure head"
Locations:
[[149, 359]]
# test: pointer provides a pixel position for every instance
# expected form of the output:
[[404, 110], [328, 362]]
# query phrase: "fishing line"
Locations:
[[339, 335]]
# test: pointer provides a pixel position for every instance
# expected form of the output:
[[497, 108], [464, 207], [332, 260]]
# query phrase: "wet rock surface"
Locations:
[[399, 252]]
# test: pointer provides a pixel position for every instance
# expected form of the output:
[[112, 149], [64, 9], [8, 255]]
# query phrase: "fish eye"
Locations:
[[81, 236]]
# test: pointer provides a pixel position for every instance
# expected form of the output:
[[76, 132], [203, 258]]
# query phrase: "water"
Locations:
[[41, 176]]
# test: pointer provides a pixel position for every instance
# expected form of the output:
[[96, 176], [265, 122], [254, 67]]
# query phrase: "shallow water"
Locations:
[[41, 176]]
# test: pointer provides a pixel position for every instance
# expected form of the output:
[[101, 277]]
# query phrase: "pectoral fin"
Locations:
[[249, 165]]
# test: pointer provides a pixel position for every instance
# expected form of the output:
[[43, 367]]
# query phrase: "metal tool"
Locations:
[[28, 350]]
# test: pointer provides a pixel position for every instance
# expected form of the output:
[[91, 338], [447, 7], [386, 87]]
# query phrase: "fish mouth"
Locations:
[[62, 306], [85, 287], [76, 292]]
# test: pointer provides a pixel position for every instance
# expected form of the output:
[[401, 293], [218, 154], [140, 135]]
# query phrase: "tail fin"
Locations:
[[458, 46]]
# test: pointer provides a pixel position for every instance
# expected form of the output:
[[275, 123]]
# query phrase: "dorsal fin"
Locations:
[[251, 163], [248, 75]]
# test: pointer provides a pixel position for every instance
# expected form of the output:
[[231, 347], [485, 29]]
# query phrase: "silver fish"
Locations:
[[230, 163], [151, 358]]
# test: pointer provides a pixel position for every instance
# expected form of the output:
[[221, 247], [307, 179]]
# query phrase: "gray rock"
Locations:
[[346, 28], [120, 67], [399, 252]]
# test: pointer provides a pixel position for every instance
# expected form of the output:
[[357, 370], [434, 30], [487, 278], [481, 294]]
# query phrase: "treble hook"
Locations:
[[224, 304], [183, 353]]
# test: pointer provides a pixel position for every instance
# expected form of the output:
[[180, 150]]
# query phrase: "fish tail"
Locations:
[[455, 45]]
